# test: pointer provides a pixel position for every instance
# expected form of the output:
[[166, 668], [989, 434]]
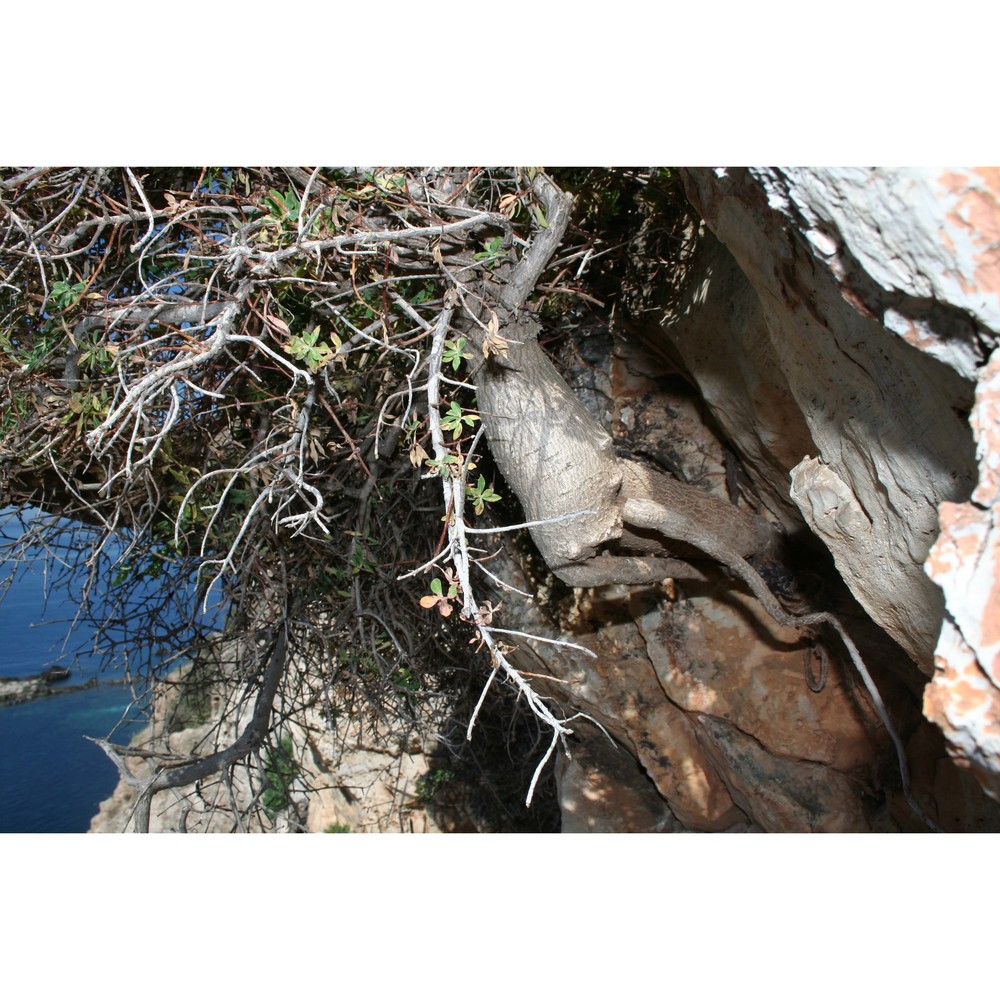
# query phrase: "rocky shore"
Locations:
[[17, 690]]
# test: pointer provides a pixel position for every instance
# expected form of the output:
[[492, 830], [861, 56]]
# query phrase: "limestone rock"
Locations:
[[835, 323], [782, 795], [722, 656], [659, 734], [600, 791], [964, 695], [846, 265], [16, 691], [712, 327], [345, 777]]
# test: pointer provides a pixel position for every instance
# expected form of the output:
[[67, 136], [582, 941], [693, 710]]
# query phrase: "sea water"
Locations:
[[52, 779]]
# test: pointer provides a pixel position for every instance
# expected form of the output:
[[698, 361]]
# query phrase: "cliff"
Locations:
[[840, 328], [339, 774]]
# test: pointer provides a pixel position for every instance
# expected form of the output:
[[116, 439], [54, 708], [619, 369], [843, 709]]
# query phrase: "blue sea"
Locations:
[[51, 778]]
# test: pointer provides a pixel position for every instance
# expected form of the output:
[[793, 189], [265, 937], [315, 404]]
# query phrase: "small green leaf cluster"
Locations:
[[64, 295], [450, 465], [309, 348], [33, 352], [437, 598], [279, 773], [97, 358], [431, 783], [492, 253], [455, 420], [14, 411], [361, 561], [455, 353], [284, 210], [376, 184], [481, 494], [88, 409], [284, 205], [406, 679]]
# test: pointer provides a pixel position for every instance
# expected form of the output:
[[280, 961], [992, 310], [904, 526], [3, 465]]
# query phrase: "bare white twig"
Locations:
[[454, 503], [542, 638], [501, 583], [302, 203], [31, 243], [146, 205], [528, 524]]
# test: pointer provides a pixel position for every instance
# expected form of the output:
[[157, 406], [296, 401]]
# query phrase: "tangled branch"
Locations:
[[235, 368]]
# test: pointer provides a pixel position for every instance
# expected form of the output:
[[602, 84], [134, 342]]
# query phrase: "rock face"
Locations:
[[836, 325], [342, 778], [17, 690], [964, 695], [881, 295], [715, 727], [846, 272]]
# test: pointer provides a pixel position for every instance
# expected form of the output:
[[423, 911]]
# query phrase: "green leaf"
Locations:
[[455, 353], [481, 494], [65, 295], [307, 347], [493, 251], [449, 464]]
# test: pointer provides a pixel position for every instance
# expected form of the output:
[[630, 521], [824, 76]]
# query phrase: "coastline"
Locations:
[[19, 690]]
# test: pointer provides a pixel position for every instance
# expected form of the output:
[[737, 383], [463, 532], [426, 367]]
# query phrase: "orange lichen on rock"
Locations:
[[962, 701], [985, 422], [976, 211]]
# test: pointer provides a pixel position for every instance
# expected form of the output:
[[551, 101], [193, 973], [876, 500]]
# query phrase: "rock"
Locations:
[[964, 696], [890, 280], [719, 655], [54, 674], [344, 775], [14, 691], [667, 662], [713, 328], [601, 790], [17, 690], [835, 323], [837, 260], [624, 691], [782, 796]]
